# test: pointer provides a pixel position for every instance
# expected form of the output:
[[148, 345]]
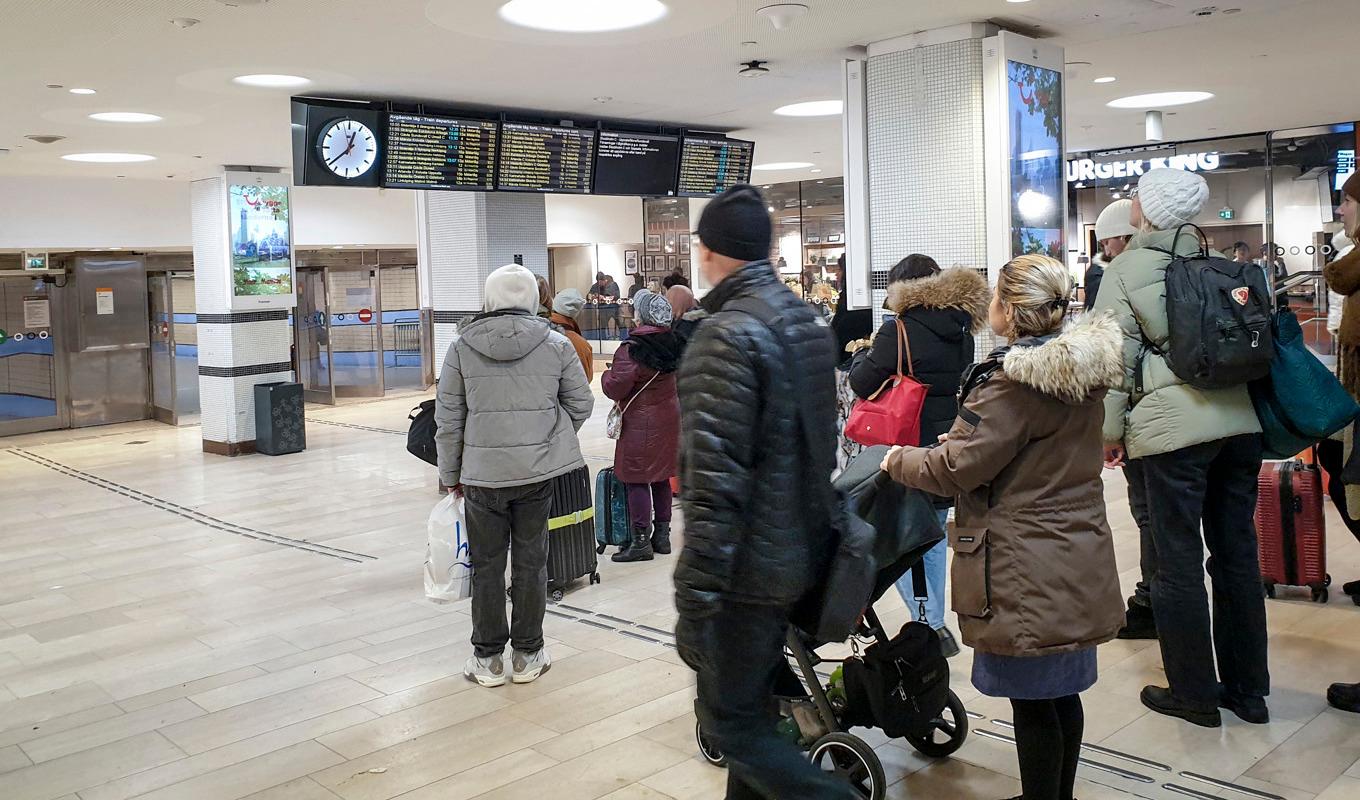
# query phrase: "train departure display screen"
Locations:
[[545, 158], [636, 163], [712, 166], [428, 152]]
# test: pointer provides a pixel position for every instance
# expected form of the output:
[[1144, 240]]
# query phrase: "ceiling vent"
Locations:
[[44, 138]]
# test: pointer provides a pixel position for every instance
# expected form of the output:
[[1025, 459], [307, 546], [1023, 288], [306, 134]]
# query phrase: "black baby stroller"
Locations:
[[899, 684]]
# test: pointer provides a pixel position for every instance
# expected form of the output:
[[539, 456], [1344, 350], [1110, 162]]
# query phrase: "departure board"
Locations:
[[425, 152], [712, 166], [636, 164], [545, 158]]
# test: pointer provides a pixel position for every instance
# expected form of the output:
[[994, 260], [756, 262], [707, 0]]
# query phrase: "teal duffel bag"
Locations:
[[1301, 402]]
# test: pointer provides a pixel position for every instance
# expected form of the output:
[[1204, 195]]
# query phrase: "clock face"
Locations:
[[348, 148]]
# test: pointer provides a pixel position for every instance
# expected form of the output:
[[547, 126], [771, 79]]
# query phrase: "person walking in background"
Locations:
[[566, 307], [642, 381], [682, 301], [1036, 587], [941, 310], [1113, 231], [1200, 452], [757, 496], [511, 399]]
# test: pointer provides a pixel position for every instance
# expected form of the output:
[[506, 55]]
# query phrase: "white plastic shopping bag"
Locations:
[[448, 565]]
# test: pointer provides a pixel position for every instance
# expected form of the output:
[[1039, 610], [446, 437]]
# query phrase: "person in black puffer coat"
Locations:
[[941, 310], [757, 496]]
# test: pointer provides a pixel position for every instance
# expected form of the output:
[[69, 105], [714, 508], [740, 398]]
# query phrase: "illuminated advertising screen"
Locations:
[[1036, 159], [261, 257]]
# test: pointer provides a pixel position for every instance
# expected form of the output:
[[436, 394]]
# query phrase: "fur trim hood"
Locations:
[[954, 288], [1085, 358]]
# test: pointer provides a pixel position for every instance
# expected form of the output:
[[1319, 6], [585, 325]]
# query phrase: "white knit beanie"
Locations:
[[512, 287], [1114, 221], [1171, 197]]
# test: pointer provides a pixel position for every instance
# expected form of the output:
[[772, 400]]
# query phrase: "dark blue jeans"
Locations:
[[738, 653], [1213, 484], [1147, 549]]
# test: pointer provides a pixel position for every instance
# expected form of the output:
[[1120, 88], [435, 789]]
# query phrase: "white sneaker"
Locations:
[[489, 672], [528, 666]]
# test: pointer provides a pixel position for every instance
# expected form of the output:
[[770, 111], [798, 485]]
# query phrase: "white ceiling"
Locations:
[[1276, 64]]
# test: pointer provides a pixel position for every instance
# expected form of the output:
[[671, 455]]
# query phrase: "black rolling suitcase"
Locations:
[[571, 532]]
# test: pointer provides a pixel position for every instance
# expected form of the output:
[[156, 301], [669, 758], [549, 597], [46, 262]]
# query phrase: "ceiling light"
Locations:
[[82, 91], [108, 158], [268, 81], [773, 165], [1157, 99], [582, 16], [782, 15], [1106, 79], [818, 169], [125, 116], [812, 108]]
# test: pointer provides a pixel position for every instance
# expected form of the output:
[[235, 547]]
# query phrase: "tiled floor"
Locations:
[[154, 645]]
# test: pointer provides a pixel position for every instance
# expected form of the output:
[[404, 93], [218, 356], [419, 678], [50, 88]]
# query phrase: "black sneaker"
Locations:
[[1164, 702], [1344, 696], [1247, 709], [1138, 623], [1352, 588]]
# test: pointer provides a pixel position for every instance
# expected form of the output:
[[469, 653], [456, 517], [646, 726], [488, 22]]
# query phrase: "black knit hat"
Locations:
[[736, 224], [1352, 186]]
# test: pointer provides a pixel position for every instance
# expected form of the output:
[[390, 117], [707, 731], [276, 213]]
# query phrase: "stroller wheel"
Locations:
[[707, 749], [850, 759], [947, 731]]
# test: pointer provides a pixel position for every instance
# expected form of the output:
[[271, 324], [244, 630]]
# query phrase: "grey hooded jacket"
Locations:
[[511, 398]]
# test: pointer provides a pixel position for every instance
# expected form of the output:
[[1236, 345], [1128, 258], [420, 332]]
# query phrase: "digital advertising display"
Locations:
[[261, 244], [1036, 159]]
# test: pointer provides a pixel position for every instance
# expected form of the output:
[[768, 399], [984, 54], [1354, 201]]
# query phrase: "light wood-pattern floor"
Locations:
[[152, 645]]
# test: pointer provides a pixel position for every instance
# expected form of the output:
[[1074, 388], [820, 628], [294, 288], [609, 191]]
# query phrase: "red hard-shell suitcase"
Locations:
[[1290, 528]]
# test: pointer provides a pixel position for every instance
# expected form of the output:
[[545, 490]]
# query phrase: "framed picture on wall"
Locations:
[[674, 263], [670, 241], [653, 241], [834, 238], [684, 244], [630, 262], [813, 239], [684, 266]]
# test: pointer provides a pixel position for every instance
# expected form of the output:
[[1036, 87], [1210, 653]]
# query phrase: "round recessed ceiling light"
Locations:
[[1106, 79], [83, 91], [125, 116], [773, 165], [582, 16], [269, 81], [108, 158], [1160, 99], [812, 108]]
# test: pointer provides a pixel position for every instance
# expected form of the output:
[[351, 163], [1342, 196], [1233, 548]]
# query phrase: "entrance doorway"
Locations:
[[30, 394]]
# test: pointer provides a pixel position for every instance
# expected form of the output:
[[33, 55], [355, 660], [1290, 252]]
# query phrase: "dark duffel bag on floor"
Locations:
[[420, 437]]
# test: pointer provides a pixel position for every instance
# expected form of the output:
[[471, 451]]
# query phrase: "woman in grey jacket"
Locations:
[[512, 396]]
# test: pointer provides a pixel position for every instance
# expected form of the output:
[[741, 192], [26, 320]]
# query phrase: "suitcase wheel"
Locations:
[[599, 549], [1270, 590], [557, 595], [1320, 595], [1327, 580], [594, 578]]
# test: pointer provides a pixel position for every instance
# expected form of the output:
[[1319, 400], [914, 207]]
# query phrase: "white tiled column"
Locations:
[[463, 237], [236, 350]]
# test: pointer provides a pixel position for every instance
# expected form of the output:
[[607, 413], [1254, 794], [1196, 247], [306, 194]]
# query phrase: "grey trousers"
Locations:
[[509, 523], [1142, 517]]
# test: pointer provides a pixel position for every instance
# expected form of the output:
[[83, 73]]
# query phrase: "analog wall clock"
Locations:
[[348, 148]]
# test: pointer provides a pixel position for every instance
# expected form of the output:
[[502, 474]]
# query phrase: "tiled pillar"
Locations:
[[236, 350], [462, 237]]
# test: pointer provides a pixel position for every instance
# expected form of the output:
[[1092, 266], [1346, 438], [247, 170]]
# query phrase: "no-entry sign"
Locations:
[[365, 315]]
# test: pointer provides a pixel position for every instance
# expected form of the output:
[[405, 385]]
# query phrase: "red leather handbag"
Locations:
[[893, 415]]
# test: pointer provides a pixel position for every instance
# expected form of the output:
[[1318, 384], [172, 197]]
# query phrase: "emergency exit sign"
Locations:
[[1227, 213]]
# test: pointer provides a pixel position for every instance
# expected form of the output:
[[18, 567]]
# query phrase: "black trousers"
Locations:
[[1331, 458], [1212, 484], [738, 653], [1048, 738], [1147, 548], [508, 523]]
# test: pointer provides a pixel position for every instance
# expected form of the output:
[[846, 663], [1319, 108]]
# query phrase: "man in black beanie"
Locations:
[[758, 438]]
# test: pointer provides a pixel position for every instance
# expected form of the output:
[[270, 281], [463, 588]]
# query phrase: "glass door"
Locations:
[[403, 366], [356, 332], [31, 388], [311, 326], [162, 348]]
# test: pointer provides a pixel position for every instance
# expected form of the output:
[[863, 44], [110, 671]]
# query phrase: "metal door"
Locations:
[[107, 309], [32, 390], [356, 332], [311, 328]]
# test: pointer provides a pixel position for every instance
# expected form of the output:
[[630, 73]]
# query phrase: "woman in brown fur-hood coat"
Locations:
[[941, 309]]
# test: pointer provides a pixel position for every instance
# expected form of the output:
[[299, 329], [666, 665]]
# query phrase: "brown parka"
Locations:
[[1034, 569]]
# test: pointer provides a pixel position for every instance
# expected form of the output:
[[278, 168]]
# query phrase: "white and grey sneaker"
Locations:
[[489, 672], [528, 666]]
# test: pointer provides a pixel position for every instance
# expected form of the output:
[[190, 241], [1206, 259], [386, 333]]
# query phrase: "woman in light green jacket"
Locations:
[[1200, 452]]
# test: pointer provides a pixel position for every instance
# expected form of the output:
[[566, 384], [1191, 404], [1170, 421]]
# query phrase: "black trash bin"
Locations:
[[280, 424]]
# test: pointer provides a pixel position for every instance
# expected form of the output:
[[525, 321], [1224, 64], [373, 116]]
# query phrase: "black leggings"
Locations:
[[1048, 736]]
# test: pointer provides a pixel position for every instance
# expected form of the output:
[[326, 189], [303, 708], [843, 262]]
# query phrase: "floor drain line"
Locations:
[[355, 427], [190, 514], [1105, 751], [592, 619], [1188, 792], [1086, 762], [1230, 786]]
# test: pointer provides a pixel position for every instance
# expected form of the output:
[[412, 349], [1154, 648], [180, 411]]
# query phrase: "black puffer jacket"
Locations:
[[941, 312], [755, 500]]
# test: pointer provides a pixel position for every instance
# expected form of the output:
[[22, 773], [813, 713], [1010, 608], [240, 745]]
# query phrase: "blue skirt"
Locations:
[[1035, 677]]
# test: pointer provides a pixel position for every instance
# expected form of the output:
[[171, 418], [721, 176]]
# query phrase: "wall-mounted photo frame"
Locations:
[[630, 262], [670, 241], [814, 240], [653, 241], [684, 244], [674, 262], [834, 238], [684, 266]]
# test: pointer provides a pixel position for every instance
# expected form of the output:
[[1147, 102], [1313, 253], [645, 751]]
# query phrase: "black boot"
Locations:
[[640, 549], [1138, 623], [661, 537], [1344, 696]]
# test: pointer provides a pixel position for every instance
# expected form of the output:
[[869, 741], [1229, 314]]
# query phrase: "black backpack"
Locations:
[[1218, 315], [900, 685], [420, 438]]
